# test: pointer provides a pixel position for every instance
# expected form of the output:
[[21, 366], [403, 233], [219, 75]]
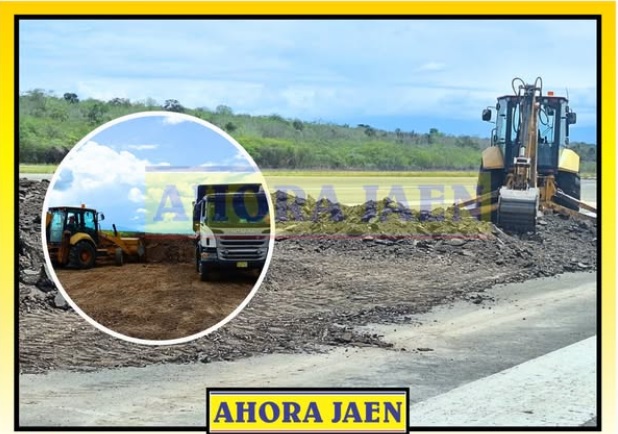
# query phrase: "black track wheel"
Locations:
[[83, 255], [569, 183]]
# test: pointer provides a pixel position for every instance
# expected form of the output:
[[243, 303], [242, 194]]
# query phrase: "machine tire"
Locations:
[[204, 274], [197, 260], [83, 255], [570, 183], [119, 257], [495, 179]]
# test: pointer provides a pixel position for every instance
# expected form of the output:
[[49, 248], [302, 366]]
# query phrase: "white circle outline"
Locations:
[[52, 274]]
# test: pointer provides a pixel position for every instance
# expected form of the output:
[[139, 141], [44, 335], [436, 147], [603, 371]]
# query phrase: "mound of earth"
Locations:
[[384, 219], [169, 248]]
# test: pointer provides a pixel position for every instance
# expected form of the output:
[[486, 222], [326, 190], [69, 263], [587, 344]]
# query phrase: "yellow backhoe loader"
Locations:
[[529, 168], [74, 238]]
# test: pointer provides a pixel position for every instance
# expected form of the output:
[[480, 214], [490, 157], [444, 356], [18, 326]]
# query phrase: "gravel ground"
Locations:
[[316, 291]]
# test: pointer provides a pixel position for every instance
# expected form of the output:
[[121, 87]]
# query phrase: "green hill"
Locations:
[[50, 125]]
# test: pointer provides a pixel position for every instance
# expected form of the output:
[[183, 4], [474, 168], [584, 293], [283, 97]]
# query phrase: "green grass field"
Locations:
[[37, 168], [50, 168], [353, 187], [358, 189]]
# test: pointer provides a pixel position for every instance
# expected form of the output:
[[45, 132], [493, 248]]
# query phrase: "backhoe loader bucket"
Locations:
[[132, 248], [517, 209]]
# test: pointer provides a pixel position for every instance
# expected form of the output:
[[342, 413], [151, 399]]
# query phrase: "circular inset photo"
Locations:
[[158, 228]]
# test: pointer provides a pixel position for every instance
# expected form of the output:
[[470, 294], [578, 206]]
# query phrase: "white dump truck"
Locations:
[[232, 228]]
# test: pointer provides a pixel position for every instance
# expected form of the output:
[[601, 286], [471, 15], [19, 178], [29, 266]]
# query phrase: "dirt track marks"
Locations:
[[154, 301]]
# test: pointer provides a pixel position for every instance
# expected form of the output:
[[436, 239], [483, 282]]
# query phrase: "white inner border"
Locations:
[[52, 274]]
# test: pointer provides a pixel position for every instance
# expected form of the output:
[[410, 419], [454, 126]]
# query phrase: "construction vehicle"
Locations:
[[528, 169], [75, 239], [232, 228]]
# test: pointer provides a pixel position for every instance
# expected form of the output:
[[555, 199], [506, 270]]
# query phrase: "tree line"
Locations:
[[50, 124]]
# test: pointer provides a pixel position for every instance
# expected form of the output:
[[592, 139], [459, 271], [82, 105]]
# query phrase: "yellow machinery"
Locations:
[[529, 168], [74, 238]]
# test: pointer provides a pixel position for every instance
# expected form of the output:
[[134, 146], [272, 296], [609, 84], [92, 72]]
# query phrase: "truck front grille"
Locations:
[[242, 247]]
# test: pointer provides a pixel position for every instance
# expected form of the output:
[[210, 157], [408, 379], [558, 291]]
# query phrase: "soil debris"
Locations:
[[384, 219], [316, 291]]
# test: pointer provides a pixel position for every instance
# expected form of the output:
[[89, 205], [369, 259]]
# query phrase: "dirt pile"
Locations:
[[35, 288], [316, 291], [164, 248], [384, 219]]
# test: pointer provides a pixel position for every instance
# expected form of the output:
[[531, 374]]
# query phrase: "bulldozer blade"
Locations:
[[517, 209]]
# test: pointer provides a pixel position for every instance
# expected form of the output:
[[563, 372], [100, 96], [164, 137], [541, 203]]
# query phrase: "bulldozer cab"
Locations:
[[71, 219], [554, 119]]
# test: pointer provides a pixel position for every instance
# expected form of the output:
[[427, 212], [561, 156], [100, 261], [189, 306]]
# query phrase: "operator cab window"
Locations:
[[547, 123], [89, 221], [57, 226], [549, 133], [72, 222], [501, 124]]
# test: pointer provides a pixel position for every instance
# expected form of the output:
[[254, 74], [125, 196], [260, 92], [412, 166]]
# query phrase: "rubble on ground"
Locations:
[[317, 289]]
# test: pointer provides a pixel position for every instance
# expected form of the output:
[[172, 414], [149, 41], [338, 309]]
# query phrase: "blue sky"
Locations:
[[408, 74], [111, 171]]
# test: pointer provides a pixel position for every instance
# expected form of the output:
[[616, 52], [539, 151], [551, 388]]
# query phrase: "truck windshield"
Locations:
[[550, 133], [237, 210]]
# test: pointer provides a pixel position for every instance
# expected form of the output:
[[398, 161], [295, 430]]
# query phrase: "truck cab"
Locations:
[[232, 229]]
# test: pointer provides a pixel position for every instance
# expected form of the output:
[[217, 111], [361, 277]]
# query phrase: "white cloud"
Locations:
[[141, 211], [136, 195], [143, 147], [99, 164], [313, 69], [98, 171], [92, 90], [239, 160], [173, 119], [240, 156]]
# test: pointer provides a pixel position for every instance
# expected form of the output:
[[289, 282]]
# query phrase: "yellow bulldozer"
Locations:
[[528, 169], [74, 238]]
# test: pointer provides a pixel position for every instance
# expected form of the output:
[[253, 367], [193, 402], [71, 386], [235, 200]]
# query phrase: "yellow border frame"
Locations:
[[8, 9]]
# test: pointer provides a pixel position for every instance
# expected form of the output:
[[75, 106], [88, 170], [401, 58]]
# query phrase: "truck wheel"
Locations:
[[83, 255], [119, 257], [197, 260], [203, 270]]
